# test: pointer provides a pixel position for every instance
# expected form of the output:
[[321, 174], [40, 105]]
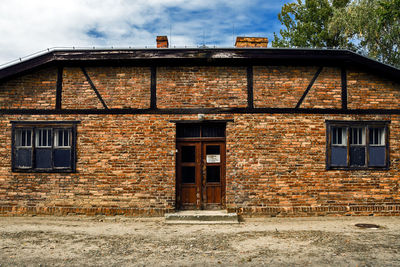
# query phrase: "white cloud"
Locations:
[[27, 26]]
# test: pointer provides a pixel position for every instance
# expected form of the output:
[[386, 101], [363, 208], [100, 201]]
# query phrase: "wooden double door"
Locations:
[[200, 174]]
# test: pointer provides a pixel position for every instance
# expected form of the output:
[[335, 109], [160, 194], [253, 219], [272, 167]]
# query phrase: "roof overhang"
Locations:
[[201, 56]]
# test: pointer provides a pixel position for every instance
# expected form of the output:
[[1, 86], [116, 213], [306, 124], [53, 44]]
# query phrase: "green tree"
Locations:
[[307, 24], [370, 27], [373, 26]]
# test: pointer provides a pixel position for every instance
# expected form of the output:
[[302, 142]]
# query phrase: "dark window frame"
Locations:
[[34, 126], [221, 125], [357, 124]]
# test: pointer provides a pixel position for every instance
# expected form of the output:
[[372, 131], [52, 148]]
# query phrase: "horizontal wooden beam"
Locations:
[[26, 122], [200, 111], [200, 121]]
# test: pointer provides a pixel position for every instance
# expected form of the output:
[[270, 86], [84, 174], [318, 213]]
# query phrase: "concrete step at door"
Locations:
[[201, 217]]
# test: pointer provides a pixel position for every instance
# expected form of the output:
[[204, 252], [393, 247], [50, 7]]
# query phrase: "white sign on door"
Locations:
[[213, 158]]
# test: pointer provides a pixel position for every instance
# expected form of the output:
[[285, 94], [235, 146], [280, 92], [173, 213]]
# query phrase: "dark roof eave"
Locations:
[[198, 55]]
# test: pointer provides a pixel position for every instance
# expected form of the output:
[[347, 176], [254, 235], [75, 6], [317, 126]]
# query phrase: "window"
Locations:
[[357, 145], [200, 130], [43, 147]]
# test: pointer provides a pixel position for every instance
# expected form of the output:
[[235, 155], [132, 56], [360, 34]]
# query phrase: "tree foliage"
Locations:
[[374, 28], [370, 27], [307, 24]]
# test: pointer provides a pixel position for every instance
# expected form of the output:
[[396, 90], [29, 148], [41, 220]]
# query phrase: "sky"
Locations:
[[29, 26]]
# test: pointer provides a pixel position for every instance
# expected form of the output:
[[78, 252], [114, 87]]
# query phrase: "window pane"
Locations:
[[357, 156], [62, 158], [339, 156], [66, 137], [43, 158], [28, 138], [213, 174], [188, 174], [62, 137], [43, 138], [339, 136], [377, 156], [212, 150], [23, 138], [23, 158], [187, 130], [357, 136], [213, 130], [376, 136], [188, 154]]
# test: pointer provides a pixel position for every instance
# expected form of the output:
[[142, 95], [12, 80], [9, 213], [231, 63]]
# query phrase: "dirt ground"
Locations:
[[120, 241]]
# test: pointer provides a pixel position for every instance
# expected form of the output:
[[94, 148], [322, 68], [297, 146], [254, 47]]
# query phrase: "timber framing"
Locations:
[[203, 56], [153, 87], [94, 88], [199, 111], [59, 87], [309, 87], [344, 87], [250, 96]]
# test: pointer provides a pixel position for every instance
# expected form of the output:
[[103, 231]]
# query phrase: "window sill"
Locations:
[[43, 171], [383, 168]]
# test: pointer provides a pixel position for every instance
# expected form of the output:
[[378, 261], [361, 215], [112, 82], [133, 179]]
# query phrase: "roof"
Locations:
[[197, 56]]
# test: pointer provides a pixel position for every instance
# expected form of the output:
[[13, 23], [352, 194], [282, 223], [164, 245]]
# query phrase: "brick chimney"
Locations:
[[251, 42], [162, 42]]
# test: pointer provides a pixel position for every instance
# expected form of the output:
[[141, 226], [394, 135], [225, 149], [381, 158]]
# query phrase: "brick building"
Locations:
[[148, 131]]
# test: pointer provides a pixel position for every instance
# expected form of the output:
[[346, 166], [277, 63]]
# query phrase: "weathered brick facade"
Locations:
[[126, 160], [201, 87]]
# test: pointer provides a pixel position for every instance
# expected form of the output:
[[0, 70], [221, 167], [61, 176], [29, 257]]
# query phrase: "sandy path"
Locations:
[[119, 241]]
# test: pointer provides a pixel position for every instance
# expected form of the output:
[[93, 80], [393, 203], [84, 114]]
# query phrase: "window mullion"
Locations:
[[329, 143], [33, 143], [367, 129], [348, 145], [52, 147], [386, 133]]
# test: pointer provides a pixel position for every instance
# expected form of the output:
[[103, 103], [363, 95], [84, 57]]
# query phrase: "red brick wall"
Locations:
[[326, 91], [283, 86], [280, 87], [369, 91], [35, 90], [120, 87], [201, 87], [126, 163], [123, 161], [276, 164]]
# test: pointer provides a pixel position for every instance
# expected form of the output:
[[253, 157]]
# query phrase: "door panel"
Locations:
[[213, 174], [188, 175], [213, 194]]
